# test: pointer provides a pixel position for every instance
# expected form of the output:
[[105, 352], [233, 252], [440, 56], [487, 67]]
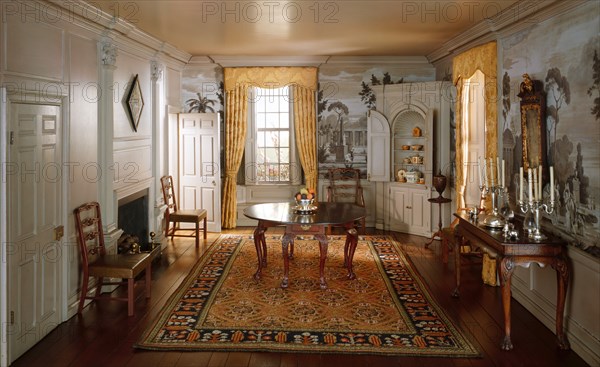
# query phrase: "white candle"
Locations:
[[551, 183], [536, 184], [540, 183], [521, 184], [491, 172], [503, 182], [529, 183], [498, 177], [479, 171]]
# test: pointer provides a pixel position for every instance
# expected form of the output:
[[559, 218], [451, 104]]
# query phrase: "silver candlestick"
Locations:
[[535, 206]]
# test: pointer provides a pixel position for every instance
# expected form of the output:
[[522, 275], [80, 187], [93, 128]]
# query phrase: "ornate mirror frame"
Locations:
[[135, 103], [533, 123]]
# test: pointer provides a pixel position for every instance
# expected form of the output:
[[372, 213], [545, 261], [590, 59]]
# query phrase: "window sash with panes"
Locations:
[[271, 144]]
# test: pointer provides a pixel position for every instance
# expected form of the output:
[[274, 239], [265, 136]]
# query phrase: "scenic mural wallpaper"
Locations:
[[563, 53], [345, 96]]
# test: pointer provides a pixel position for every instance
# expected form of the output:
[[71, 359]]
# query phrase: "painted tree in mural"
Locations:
[[324, 129], [387, 79], [221, 94], [595, 86], [367, 96], [200, 104], [321, 102], [557, 88], [506, 99], [340, 110]]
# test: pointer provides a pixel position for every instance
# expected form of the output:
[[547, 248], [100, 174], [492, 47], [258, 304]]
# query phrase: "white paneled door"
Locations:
[[34, 250], [199, 166]]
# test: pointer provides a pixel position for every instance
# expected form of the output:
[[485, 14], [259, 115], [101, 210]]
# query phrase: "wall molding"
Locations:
[[522, 15]]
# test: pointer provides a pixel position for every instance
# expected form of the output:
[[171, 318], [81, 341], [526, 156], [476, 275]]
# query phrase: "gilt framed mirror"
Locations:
[[533, 123]]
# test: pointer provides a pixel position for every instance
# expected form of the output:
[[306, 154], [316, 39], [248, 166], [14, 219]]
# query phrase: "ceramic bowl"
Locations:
[[417, 147]]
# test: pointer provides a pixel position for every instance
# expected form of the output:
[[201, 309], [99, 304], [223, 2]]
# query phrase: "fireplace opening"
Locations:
[[133, 216]]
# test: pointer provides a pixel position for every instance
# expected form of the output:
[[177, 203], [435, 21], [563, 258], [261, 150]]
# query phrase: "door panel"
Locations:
[[34, 212], [199, 174]]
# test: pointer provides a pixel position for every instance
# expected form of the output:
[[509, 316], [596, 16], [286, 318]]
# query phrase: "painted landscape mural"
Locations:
[[562, 53], [344, 98]]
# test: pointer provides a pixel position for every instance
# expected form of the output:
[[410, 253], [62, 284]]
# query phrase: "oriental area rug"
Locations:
[[386, 310]]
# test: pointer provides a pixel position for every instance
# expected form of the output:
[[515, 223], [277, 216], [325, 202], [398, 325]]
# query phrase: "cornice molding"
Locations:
[[123, 32], [407, 61], [521, 15], [234, 61]]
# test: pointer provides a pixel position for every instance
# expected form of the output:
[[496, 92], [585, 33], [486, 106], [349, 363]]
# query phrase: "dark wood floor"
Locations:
[[104, 335]]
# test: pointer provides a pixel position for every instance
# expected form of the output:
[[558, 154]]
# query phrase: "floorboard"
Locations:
[[104, 336]]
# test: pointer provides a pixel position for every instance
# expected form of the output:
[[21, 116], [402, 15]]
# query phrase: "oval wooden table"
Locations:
[[275, 214]]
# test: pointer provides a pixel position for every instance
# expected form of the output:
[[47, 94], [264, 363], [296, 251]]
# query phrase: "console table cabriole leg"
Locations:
[[561, 266], [261, 249], [287, 239], [323, 252], [349, 250], [457, 235], [507, 267]]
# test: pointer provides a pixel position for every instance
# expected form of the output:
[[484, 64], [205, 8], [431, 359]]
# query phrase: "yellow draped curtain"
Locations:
[[483, 58], [237, 81]]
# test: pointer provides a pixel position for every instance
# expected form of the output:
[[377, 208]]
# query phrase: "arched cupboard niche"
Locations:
[[417, 116]]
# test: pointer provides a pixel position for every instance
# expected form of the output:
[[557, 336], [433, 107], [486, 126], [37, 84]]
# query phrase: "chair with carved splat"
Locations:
[[344, 187], [96, 262], [176, 216]]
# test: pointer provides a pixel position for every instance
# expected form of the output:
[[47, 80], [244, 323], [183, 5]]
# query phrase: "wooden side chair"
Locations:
[[176, 216], [97, 263], [344, 187]]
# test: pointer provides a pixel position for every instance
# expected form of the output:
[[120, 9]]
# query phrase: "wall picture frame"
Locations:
[[135, 103]]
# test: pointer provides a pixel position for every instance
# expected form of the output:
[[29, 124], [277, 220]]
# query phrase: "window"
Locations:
[[270, 149]]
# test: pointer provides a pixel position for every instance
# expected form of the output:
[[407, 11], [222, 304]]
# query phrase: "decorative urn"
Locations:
[[439, 182]]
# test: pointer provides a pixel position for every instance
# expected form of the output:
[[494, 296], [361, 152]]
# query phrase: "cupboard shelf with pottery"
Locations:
[[408, 122]]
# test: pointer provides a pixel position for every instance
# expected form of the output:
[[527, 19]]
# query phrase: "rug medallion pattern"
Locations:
[[386, 310]]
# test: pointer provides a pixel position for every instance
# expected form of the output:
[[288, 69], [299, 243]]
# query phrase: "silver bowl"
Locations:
[[305, 205]]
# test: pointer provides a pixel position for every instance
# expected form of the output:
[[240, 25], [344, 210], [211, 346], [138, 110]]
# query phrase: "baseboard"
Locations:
[[582, 342]]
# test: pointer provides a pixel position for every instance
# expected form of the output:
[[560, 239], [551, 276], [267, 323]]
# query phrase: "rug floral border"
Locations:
[[434, 334]]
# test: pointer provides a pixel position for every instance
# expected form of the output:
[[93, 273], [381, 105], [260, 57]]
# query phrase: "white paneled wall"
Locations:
[[52, 60]]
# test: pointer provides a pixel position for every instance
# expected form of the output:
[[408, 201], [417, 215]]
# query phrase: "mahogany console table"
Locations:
[[508, 254], [276, 214]]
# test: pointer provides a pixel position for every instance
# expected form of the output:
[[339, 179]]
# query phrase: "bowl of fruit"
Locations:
[[305, 199]]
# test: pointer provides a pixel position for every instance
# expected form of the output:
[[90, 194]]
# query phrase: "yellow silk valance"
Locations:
[[270, 77]]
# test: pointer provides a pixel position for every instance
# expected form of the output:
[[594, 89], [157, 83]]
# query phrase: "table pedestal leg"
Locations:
[[456, 292], [349, 249], [506, 269], [323, 252], [260, 245], [287, 239], [562, 280], [439, 231]]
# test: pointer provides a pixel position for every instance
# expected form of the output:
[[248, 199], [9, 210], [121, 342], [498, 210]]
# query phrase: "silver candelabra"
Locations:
[[535, 206], [494, 219]]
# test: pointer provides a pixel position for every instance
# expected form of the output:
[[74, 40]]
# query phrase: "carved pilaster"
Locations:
[[107, 55], [108, 52], [158, 131], [156, 71]]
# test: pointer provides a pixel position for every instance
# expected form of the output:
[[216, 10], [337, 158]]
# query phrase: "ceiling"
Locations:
[[303, 28]]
